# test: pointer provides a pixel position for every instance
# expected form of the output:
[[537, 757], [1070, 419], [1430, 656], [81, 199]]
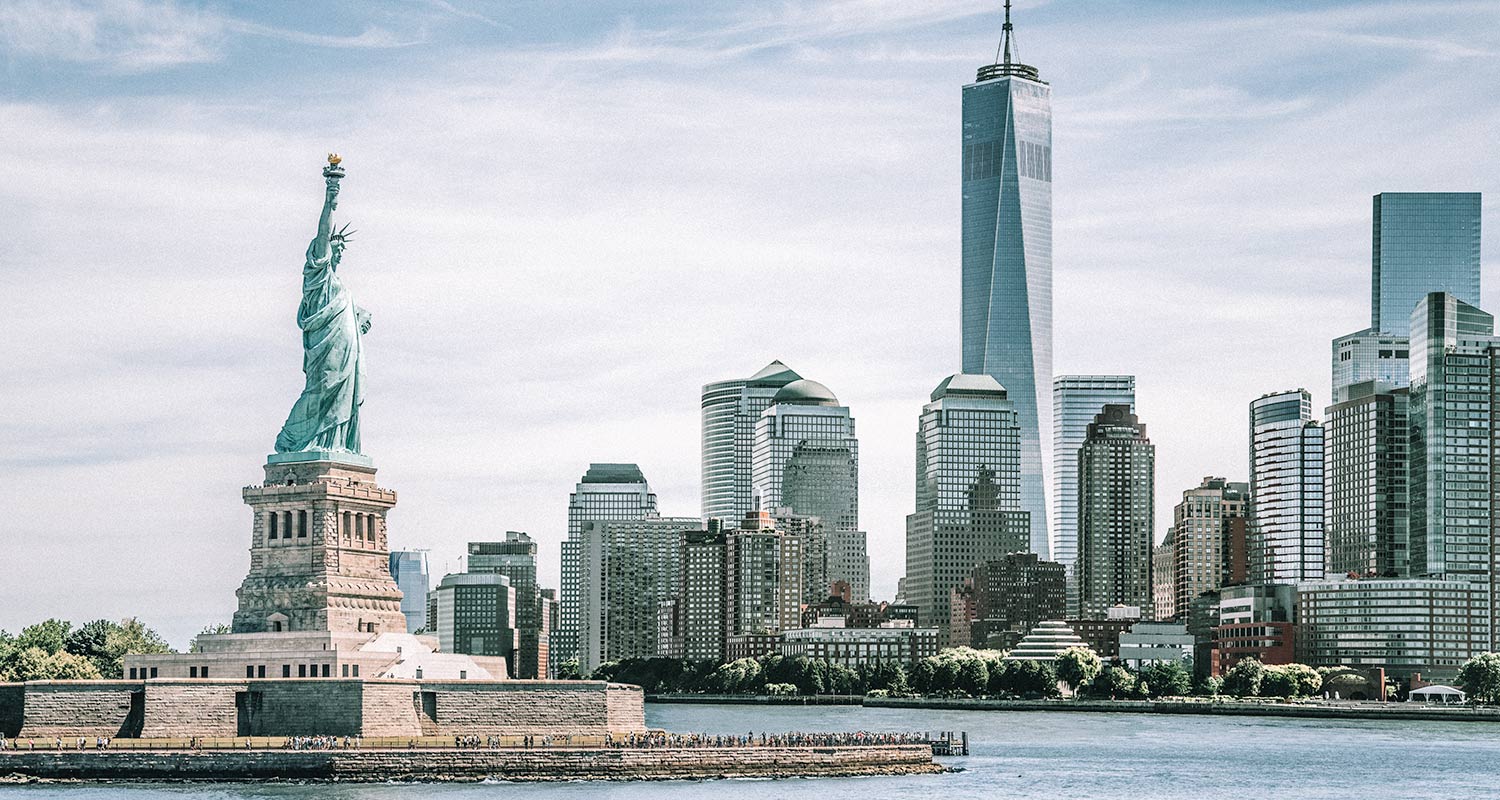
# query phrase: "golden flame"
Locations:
[[334, 159]]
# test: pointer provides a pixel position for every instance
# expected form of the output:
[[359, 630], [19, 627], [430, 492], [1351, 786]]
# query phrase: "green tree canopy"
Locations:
[[1078, 666], [1114, 682], [47, 636], [1167, 679], [1480, 678], [1244, 678]]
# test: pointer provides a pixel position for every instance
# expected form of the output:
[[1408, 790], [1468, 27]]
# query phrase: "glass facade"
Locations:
[[806, 458], [606, 492], [730, 411], [1422, 242], [409, 569], [1365, 463], [1368, 355], [1076, 400], [1007, 259], [968, 490], [476, 615], [1286, 489], [1116, 513], [1404, 626], [515, 558]]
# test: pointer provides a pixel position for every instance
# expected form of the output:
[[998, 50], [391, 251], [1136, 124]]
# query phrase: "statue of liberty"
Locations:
[[326, 416]]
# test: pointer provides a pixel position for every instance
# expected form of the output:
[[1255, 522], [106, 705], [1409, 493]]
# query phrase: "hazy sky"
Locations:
[[573, 214]]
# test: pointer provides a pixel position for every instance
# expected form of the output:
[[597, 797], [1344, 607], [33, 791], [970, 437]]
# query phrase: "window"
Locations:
[[132, 673], [192, 672], [286, 670], [419, 673], [153, 672], [203, 672], [463, 674], [302, 670], [326, 667], [301, 524], [356, 670]]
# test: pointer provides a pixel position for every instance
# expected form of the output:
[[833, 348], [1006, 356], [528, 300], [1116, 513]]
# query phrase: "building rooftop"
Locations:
[[963, 384], [613, 473], [774, 374], [804, 392], [1045, 642]]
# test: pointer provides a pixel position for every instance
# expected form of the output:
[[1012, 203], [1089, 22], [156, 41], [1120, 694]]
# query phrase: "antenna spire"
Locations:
[[1003, 66], [1005, 36]]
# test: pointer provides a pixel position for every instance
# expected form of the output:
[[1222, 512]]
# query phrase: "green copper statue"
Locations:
[[326, 416]]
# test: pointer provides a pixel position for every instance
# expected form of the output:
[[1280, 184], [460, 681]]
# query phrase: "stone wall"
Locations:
[[318, 707], [470, 765], [191, 708], [81, 708], [12, 703]]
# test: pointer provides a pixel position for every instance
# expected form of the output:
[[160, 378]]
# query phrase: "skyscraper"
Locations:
[[476, 615], [1076, 400], [730, 411], [968, 492], [605, 492], [1116, 512], [1007, 255], [628, 568], [1365, 463], [806, 458], [764, 577], [1422, 242], [1203, 530], [409, 569], [702, 599], [1286, 489], [515, 558]]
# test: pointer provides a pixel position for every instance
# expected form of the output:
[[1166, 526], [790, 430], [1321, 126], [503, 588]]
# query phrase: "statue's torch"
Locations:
[[333, 171]]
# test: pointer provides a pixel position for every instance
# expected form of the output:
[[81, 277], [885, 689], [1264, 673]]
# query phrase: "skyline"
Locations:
[[136, 180]]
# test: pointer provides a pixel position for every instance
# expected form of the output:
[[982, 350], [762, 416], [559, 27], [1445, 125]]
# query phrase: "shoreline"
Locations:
[[462, 766], [1296, 710]]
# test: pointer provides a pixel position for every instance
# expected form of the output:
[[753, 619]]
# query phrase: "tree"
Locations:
[[1210, 685], [47, 636], [1244, 678], [1114, 682], [973, 676], [1480, 678], [1275, 681], [35, 664], [1033, 678], [1305, 681], [1167, 679], [208, 630], [923, 673], [1077, 667], [568, 671]]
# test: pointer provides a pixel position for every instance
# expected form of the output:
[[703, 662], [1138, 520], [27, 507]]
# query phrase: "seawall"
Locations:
[[1387, 711], [467, 765]]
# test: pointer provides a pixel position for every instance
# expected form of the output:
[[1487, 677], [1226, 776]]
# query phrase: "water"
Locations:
[[1048, 755]]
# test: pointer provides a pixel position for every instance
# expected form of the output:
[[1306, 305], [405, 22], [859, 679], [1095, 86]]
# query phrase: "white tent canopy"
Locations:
[[1436, 693]]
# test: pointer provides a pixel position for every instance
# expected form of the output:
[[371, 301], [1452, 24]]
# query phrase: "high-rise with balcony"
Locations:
[[1203, 528], [968, 493], [605, 492], [1286, 489], [806, 458], [1076, 400], [1007, 255], [1116, 510], [730, 411]]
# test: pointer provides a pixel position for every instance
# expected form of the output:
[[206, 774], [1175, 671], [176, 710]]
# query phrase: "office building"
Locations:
[[476, 615], [515, 558], [702, 598], [628, 568], [1046, 642], [806, 459], [856, 647], [1163, 579], [1011, 595], [409, 570], [1116, 491], [1422, 242], [1207, 528], [730, 411], [1076, 400], [1365, 463], [1366, 356], [968, 491], [1402, 626], [1286, 489], [1007, 256], [1155, 643], [764, 585], [606, 492]]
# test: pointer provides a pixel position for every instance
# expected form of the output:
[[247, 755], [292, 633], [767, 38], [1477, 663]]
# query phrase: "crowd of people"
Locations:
[[321, 743], [655, 739]]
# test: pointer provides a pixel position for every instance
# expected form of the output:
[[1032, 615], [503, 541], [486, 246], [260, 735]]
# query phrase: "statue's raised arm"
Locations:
[[332, 174]]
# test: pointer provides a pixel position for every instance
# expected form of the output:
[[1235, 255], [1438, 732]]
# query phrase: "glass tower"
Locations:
[[1365, 464], [606, 492], [1076, 400], [409, 569], [968, 493], [1422, 242], [1286, 489], [730, 410], [515, 558], [1116, 512], [1007, 255]]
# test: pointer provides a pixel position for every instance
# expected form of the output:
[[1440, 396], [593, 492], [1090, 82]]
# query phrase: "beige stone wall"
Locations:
[[12, 701], [78, 708], [626, 706], [323, 707], [191, 708], [472, 765], [389, 709], [531, 707]]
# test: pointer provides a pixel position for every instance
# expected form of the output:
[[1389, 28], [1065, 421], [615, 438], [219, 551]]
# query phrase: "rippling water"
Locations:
[[1051, 755]]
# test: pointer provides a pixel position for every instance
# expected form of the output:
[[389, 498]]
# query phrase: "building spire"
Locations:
[[1003, 66]]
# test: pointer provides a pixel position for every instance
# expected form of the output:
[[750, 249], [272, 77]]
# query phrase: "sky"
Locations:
[[572, 215]]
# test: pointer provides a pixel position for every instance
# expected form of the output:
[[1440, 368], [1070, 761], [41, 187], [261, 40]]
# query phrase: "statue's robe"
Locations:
[[326, 416]]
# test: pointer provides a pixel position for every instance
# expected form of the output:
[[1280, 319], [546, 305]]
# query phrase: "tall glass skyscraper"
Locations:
[[730, 410], [1422, 242], [1117, 503], [409, 570], [1286, 489], [1076, 400], [606, 492], [968, 508], [1007, 255]]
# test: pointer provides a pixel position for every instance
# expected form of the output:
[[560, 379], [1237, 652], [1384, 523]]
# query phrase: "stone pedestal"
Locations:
[[318, 554]]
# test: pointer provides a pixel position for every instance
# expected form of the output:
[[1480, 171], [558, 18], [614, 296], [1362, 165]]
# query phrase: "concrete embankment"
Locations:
[[467, 765], [759, 699], [1309, 710]]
